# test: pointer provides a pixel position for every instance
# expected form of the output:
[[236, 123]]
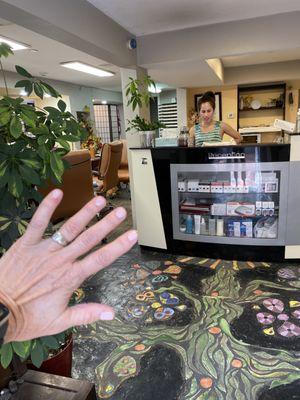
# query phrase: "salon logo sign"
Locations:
[[226, 156]]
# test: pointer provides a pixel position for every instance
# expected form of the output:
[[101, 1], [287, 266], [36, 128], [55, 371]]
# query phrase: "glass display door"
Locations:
[[237, 203]]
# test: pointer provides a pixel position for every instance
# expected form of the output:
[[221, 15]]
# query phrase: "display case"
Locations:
[[239, 204]]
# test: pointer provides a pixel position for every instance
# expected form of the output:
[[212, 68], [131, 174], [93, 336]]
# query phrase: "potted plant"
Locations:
[[138, 95], [32, 145], [92, 142]]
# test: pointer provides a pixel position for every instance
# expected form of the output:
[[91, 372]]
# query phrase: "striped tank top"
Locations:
[[213, 136]]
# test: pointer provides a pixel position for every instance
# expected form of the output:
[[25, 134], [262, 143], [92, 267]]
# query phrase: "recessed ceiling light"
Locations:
[[153, 89], [88, 69], [13, 44], [23, 93]]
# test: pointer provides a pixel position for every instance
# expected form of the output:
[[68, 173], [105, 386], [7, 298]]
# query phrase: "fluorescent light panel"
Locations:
[[14, 45], [88, 69]]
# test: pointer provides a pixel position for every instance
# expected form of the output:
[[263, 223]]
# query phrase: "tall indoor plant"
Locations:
[[138, 95], [32, 145]]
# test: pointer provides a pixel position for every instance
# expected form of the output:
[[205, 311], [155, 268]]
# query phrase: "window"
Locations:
[[107, 122]]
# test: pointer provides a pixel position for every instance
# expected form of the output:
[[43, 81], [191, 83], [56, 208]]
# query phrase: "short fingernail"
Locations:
[[120, 213], [132, 236], [99, 201], [56, 194], [107, 316]]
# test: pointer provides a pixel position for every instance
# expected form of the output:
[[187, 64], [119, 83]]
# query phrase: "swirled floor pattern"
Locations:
[[190, 328]]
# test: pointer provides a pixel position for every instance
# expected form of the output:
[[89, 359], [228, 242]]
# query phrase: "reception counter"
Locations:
[[232, 202]]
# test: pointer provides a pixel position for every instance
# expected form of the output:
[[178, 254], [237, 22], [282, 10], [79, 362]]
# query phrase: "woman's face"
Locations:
[[206, 112]]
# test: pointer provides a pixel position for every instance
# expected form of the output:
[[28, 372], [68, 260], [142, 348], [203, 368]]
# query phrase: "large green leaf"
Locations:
[[15, 127], [15, 185], [28, 121], [23, 72], [51, 342], [38, 90], [54, 113], [22, 83], [29, 174], [31, 163], [49, 89], [63, 143], [62, 105], [6, 355], [21, 348], [57, 165], [37, 354], [5, 118]]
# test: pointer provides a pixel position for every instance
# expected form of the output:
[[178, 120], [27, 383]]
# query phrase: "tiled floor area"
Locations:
[[193, 329]]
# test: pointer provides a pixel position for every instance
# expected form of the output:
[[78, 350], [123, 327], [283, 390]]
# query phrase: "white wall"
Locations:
[[80, 96]]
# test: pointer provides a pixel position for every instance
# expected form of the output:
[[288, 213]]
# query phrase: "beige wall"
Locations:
[[229, 104]]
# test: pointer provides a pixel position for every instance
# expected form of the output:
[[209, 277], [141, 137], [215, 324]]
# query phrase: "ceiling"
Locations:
[[143, 19], [50, 53], [147, 17]]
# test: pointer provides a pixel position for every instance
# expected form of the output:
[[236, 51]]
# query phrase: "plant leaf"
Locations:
[[63, 143], [29, 174], [62, 105], [57, 165], [23, 72], [37, 354], [21, 348], [49, 89], [38, 90], [22, 83], [6, 355], [5, 118], [51, 342], [15, 127]]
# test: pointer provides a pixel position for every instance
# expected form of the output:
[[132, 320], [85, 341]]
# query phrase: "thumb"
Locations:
[[83, 314]]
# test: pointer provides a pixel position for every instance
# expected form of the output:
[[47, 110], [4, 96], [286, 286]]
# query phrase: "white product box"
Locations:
[[204, 188], [193, 185], [229, 189], [216, 187], [236, 229], [182, 186], [218, 209]]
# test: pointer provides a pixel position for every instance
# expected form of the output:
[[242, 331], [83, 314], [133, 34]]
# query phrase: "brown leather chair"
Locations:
[[123, 172], [77, 185], [108, 171]]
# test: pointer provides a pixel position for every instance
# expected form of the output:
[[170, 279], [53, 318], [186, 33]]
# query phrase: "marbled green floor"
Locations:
[[192, 328]]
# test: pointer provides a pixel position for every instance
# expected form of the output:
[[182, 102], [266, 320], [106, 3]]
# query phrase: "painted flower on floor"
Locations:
[[288, 330]]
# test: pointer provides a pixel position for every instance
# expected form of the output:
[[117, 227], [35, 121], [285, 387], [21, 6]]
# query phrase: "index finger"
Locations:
[[41, 217]]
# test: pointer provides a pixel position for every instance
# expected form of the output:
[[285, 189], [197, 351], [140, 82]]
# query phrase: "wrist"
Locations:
[[14, 315], [4, 316]]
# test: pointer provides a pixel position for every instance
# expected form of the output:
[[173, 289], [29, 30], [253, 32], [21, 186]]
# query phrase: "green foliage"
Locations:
[[139, 96], [29, 157], [140, 124]]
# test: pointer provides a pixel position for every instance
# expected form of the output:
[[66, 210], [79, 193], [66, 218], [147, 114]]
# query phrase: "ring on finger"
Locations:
[[59, 238]]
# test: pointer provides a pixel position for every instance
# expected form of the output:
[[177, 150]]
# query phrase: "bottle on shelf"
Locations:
[[232, 179], [197, 223], [220, 227], [189, 224], [240, 181], [203, 230], [212, 227]]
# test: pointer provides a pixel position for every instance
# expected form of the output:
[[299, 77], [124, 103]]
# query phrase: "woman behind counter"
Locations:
[[208, 130]]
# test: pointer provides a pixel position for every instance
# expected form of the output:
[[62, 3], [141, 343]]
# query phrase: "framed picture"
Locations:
[[218, 110]]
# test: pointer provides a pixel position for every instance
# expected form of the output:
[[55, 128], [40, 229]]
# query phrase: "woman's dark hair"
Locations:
[[208, 97]]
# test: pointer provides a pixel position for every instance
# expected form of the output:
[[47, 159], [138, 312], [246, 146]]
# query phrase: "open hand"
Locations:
[[38, 276]]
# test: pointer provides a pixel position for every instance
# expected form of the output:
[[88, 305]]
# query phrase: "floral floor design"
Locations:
[[193, 329]]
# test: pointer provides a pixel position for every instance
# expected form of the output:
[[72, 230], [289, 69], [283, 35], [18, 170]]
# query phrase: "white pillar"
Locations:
[[133, 138], [181, 107]]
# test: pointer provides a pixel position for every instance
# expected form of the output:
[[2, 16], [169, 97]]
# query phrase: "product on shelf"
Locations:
[[216, 187], [242, 209], [220, 227], [189, 224], [193, 185], [218, 209], [182, 186], [266, 227], [239, 228], [197, 220], [204, 187]]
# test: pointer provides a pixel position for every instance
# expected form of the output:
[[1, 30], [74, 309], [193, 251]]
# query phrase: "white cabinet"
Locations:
[[145, 200]]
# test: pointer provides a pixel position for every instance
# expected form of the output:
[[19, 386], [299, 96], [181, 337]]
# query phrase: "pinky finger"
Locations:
[[83, 314]]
